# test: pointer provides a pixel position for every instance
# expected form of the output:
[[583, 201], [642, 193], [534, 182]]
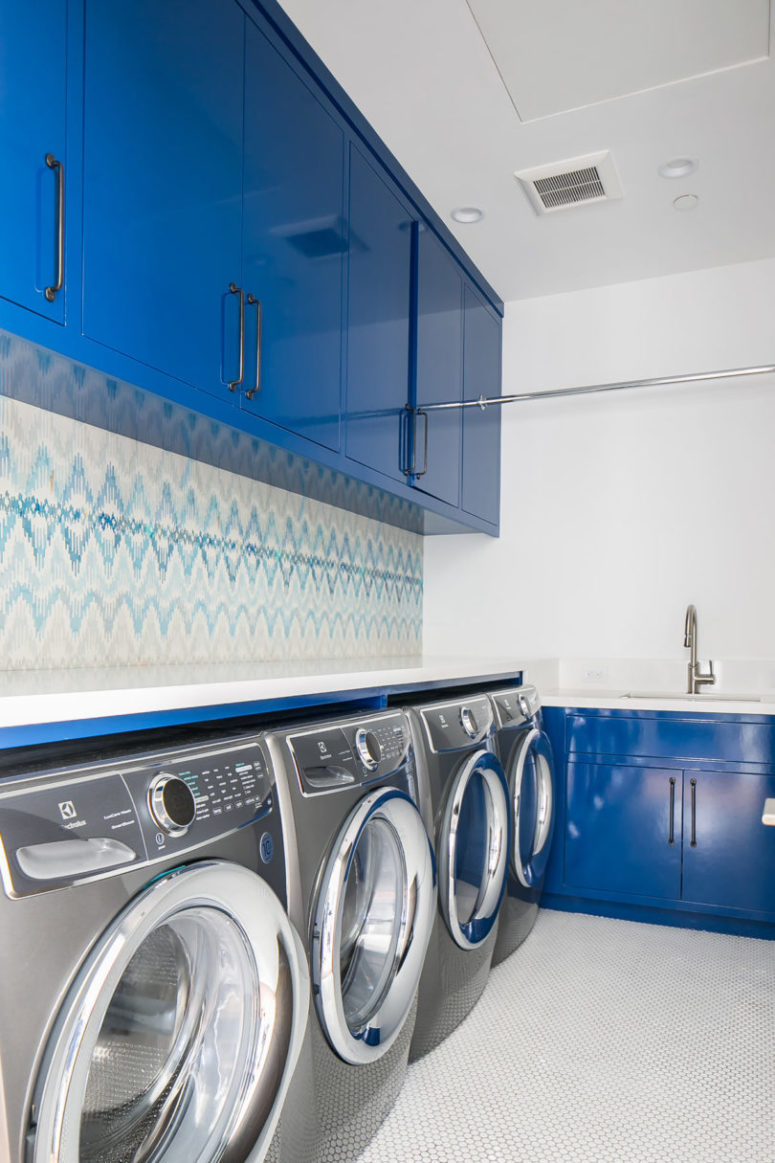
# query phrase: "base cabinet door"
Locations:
[[163, 184], [378, 320], [33, 160], [728, 854], [623, 830], [295, 247]]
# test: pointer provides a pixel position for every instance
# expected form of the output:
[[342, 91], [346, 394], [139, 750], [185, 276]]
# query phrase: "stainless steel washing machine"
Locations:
[[470, 823], [366, 905], [526, 754], [154, 993]]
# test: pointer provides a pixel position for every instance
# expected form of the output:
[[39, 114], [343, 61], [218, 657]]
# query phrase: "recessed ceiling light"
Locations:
[[685, 201], [678, 167], [468, 214]]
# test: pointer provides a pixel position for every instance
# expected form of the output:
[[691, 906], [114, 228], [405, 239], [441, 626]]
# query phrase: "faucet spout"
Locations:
[[695, 677]]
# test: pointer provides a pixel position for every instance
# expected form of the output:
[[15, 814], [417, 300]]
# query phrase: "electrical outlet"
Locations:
[[594, 674]]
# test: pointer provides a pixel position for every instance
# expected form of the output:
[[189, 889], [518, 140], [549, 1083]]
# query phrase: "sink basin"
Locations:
[[684, 696]]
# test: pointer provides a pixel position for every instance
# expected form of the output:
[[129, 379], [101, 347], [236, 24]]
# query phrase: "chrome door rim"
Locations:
[[384, 1025], [529, 872], [250, 903], [472, 933]]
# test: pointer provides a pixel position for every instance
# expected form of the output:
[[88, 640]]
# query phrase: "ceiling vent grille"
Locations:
[[571, 183]]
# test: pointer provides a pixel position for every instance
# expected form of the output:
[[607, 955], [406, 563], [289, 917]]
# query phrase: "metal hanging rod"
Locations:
[[622, 386]]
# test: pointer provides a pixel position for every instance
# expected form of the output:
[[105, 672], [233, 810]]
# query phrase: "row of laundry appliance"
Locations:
[[169, 911]]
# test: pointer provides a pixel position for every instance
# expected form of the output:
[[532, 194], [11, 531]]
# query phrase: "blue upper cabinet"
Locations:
[[378, 319], [295, 246], [481, 428], [163, 184], [33, 160], [236, 238], [439, 370]]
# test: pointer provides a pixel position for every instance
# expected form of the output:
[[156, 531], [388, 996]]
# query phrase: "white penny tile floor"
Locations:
[[602, 1041]]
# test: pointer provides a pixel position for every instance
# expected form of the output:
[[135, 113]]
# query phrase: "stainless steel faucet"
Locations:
[[696, 678]]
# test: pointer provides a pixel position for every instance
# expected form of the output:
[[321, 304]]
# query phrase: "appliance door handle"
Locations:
[[693, 841], [671, 835], [64, 859], [59, 221], [254, 302], [235, 290]]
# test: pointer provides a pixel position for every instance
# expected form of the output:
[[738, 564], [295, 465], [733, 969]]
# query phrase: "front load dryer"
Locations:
[[366, 905], [526, 754], [154, 993], [469, 820]]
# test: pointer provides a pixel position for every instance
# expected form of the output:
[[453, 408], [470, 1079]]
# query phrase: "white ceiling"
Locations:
[[558, 55], [422, 74]]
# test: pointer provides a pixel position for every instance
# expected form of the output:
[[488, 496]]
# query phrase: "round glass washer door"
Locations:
[[179, 1035], [473, 848], [373, 921], [531, 788]]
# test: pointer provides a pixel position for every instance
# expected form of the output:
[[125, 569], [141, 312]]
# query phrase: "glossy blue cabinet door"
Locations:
[[379, 294], [295, 245], [481, 429], [732, 860], [617, 830], [32, 124], [439, 367], [163, 183]]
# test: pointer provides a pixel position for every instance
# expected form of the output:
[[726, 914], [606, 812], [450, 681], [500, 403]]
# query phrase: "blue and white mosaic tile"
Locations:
[[115, 552]]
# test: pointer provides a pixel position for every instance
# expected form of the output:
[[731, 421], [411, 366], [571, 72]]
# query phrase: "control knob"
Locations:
[[172, 804], [369, 748], [468, 722]]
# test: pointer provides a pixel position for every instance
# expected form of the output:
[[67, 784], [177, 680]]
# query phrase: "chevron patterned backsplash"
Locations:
[[115, 552]]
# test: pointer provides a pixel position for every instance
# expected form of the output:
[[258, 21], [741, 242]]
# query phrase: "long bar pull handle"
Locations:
[[424, 468], [253, 301], [671, 836], [412, 469], [693, 841], [54, 164], [235, 290]]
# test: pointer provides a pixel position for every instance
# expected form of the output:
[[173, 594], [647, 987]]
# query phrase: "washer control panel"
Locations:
[[78, 823], [452, 726], [332, 756], [515, 705]]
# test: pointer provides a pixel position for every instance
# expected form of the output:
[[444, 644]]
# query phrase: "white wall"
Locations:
[[618, 510]]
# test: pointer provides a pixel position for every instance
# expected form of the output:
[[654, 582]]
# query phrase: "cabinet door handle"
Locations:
[[235, 290], [693, 841], [413, 470], [59, 226], [671, 835], [253, 301]]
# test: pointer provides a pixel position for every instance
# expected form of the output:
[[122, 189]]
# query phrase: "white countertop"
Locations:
[[35, 697], [720, 703], [30, 698]]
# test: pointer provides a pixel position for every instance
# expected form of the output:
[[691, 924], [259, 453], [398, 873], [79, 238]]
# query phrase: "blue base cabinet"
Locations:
[[33, 68], [659, 816], [728, 854], [621, 830]]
